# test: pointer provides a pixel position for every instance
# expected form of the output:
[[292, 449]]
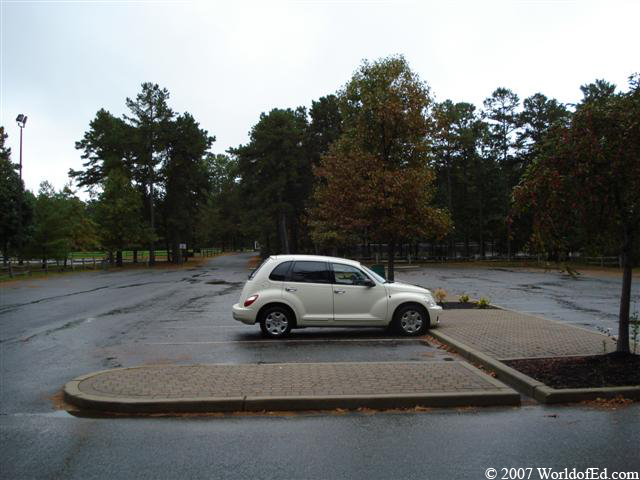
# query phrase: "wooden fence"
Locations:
[[89, 261]]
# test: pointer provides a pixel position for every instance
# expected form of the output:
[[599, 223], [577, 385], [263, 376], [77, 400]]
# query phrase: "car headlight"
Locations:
[[430, 301]]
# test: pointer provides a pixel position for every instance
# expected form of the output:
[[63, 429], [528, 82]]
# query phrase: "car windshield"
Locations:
[[374, 274]]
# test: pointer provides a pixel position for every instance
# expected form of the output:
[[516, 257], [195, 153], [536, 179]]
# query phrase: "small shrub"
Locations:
[[464, 298], [482, 303], [440, 295]]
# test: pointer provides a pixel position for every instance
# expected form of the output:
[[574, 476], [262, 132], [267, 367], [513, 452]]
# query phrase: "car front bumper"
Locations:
[[434, 315], [244, 315]]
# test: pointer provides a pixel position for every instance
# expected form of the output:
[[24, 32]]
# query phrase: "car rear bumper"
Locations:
[[244, 315]]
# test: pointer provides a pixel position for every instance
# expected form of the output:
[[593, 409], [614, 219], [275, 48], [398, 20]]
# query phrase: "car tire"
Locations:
[[411, 320], [276, 322]]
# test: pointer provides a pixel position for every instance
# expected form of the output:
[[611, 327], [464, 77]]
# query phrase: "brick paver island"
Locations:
[[504, 334], [285, 380]]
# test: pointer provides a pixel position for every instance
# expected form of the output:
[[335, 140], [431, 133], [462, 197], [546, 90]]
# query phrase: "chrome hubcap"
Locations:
[[411, 321], [276, 323]]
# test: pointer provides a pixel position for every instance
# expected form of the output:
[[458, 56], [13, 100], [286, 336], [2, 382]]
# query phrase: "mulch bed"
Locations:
[[610, 370], [464, 306]]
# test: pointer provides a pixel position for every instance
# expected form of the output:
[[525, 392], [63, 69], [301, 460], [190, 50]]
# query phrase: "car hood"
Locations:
[[399, 287]]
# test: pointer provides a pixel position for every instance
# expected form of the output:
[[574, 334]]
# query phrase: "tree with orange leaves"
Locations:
[[376, 175]]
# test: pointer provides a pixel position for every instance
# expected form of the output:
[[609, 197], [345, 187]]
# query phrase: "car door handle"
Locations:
[[339, 292], [291, 289]]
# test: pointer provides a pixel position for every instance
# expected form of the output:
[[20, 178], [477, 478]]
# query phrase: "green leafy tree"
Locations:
[[118, 211], [463, 186], [272, 168], [152, 118], [538, 115], [108, 144], [15, 209], [81, 230], [222, 217], [376, 175], [584, 183], [502, 118], [185, 181], [49, 237], [61, 225], [325, 126], [500, 112]]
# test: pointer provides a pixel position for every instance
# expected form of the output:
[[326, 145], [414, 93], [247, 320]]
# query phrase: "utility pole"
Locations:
[[22, 121]]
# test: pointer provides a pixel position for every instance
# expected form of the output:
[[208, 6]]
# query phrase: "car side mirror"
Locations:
[[368, 283]]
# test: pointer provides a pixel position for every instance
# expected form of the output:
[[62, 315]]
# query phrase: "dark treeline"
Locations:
[[154, 182], [378, 166]]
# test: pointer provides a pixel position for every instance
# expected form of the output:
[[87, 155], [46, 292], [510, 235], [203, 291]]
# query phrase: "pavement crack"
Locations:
[[142, 284], [65, 326], [12, 307]]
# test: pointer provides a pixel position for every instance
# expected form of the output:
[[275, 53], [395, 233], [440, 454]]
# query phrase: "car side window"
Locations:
[[280, 272], [309, 272], [348, 275]]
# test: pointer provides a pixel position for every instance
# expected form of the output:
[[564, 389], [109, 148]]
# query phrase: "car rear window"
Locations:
[[309, 272], [253, 274], [279, 273]]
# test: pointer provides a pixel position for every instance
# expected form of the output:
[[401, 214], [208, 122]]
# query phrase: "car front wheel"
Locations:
[[411, 320], [276, 322]]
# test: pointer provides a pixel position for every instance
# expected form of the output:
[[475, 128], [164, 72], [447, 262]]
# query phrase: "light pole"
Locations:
[[22, 121]]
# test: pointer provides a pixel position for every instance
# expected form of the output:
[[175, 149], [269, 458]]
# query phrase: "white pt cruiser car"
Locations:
[[295, 291]]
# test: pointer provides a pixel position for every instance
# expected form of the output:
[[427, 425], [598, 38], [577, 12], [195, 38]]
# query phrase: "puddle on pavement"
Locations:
[[54, 414], [215, 281]]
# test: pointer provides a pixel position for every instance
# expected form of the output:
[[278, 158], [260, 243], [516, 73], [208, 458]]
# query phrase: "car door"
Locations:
[[355, 303], [308, 289]]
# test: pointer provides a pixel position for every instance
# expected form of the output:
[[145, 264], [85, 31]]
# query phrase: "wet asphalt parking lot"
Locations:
[[591, 299], [52, 330]]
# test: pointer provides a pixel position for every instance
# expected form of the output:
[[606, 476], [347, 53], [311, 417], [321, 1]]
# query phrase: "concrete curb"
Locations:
[[530, 386], [505, 396]]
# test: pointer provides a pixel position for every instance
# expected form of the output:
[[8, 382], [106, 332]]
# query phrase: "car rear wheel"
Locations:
[[276, 322], [411, 320]]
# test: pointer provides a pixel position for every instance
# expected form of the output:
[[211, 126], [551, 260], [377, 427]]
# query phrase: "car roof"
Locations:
[[314, 258]]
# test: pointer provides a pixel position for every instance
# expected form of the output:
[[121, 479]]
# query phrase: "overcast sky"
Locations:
[[227, 61]]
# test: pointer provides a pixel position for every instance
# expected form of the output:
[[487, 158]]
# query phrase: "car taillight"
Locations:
[[250, 300]]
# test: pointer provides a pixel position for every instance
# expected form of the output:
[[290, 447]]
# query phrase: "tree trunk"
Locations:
[[467, 252], [625, 297], [295, 234], [284, 237], [391, 257], [135, 256], [176, 254], [119, 258], [152, 247]]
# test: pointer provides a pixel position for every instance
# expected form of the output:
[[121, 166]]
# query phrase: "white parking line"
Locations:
[[207, 326], [302, 340]]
